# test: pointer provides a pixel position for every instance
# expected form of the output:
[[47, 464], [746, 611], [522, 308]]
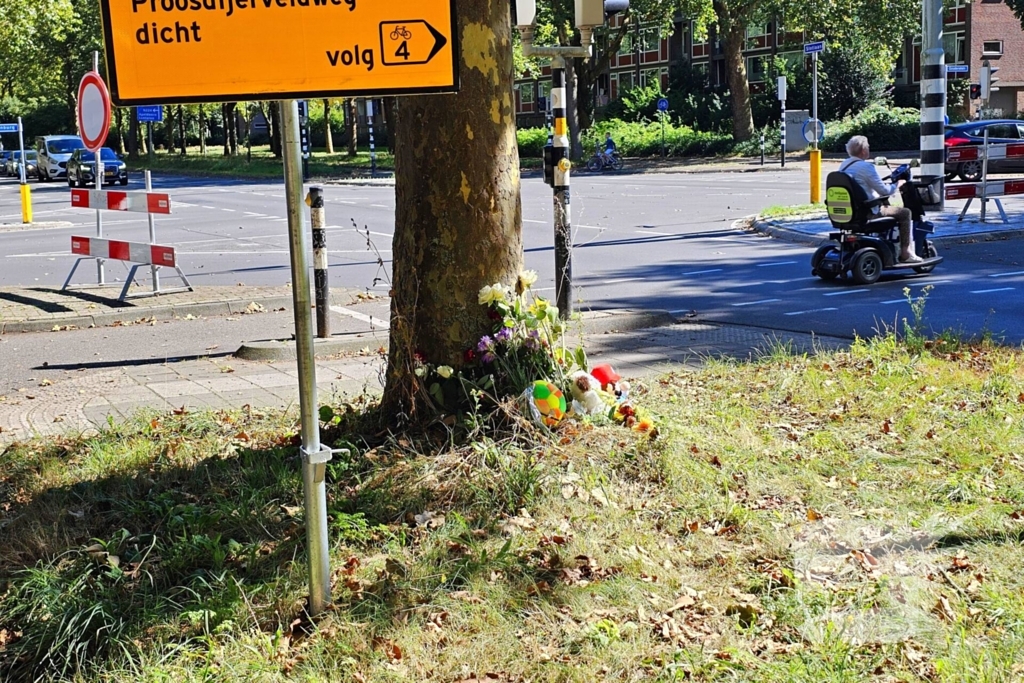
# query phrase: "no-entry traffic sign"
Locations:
[[93, 111], [171, 51]]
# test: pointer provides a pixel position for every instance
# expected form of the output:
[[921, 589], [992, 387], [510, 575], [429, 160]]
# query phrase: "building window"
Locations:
[[543, 98], [625, 81], [954, 45], [626, 46], [525, 93], [759, 30], [651, 39], [992, 48], [755, 69], [649, 77]]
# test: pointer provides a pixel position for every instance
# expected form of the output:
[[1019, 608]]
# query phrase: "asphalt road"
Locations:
[[665, 241]]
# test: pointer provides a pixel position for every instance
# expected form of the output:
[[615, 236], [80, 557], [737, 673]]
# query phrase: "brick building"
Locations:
[[982, 29]]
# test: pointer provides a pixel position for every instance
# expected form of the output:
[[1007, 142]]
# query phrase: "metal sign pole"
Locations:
[[26, 193], [155, 269], [815, 153], [98, 173], [314, 456]]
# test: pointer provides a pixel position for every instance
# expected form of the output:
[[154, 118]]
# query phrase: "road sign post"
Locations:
[[813, 49], [662, 112], [782, 124], [26, 193], [93, 124]]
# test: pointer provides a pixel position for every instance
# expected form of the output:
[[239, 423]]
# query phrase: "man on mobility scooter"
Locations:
[[857, 202]]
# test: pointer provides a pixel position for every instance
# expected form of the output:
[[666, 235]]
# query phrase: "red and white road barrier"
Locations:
[[1006, 150], [140, 254], [136, 252], [110, 200], [993, 188]]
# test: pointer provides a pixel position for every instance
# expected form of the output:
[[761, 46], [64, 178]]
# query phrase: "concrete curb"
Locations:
[[131, 314], [773, 229], [594, 322], [41, 225]]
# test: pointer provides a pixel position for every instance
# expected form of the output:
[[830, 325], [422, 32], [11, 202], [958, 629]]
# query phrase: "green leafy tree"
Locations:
[[851, 78]]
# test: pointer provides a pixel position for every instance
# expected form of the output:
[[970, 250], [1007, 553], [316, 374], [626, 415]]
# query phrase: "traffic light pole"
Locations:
[[933, 99], [560, 160]]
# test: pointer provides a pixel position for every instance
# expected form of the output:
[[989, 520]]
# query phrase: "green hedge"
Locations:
[[887, 128], [634, 139], [531, 141]]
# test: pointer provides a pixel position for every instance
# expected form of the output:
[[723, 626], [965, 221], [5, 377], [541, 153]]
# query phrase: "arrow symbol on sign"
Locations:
[[439, 41]]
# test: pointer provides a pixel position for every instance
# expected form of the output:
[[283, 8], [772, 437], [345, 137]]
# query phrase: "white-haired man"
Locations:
[[866, 175]]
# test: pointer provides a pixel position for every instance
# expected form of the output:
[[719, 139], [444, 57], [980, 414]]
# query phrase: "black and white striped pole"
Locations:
[[933, 99], [369, 121], [782, 123], [563, 215], [321, 286]]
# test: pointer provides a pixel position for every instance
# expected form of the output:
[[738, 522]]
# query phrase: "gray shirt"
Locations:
[[866, 175]]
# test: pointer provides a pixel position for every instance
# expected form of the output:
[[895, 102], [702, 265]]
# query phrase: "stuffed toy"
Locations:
[[586, 393]]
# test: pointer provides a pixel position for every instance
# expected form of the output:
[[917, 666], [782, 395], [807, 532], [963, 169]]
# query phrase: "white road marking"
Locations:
[[652, 232], [893, 301], [847, 291], [358, 316], [250, 213], [380, 206], [813, 310], [775, 263], [231, 210], [620, 280], [754, 303], [1016, 272], [342, 201], [590, 227], [987, 291], [527, 220], [702, 272]]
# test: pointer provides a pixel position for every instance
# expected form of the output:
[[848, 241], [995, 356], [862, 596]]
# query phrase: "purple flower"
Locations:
[[485, 344], [488, 357], [503, 335]]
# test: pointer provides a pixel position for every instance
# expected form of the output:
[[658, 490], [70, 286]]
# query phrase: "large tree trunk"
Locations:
[[327, 127], [133, 134], [181, 130], [275, 129], [733, 34], [352, 120], [458, 214], [389, 105]]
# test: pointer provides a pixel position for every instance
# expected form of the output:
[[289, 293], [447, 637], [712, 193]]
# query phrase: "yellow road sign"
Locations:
[[175, 51]]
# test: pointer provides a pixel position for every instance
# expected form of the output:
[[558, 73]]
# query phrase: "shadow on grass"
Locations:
[[170, 528]]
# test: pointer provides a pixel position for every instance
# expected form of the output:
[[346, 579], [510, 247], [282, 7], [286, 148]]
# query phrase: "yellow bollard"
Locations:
[[815, 176], [26, 204]]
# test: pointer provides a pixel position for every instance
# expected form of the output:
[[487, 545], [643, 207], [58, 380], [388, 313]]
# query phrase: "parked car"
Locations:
[[13, 165], [5, 154], [54, 152], [973, 133], [82, 168]]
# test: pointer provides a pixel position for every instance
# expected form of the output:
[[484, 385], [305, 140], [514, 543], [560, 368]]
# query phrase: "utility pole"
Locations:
[[933, 99]]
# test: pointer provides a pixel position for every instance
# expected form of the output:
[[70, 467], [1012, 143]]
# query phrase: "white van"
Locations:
[[54, 152]]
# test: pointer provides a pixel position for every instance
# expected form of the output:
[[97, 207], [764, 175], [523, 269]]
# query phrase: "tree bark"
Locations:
[[458, 213], [202, 131], [733, 25], [181, 130], [133, 134], [352, 121], [274, 121], [389, 106], [327, 127]]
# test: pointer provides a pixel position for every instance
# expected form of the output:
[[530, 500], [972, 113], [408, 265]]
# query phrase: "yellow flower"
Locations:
[[491, 293], [526, 280], [445, 371]]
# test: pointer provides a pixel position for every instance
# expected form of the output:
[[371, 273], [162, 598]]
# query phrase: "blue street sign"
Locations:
[[813, 130], [151, 114], [662, 104], [8, 128], [958, 68], [811, 48]]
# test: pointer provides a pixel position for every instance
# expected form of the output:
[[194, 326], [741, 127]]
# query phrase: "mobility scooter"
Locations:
[[867, 245]]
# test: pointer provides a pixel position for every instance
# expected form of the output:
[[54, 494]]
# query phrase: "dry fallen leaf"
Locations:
[[813, 515]]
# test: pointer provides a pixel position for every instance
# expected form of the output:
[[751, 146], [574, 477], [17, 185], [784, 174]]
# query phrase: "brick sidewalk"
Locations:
[[86, 400]]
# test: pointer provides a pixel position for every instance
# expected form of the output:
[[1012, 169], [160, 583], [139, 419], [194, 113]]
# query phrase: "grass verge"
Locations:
[[262, 163], [779, 211], [837, 517]]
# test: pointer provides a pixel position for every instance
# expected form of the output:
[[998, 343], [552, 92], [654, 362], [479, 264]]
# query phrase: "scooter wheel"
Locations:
[[818, 257], [867, 267], [929, 252]]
